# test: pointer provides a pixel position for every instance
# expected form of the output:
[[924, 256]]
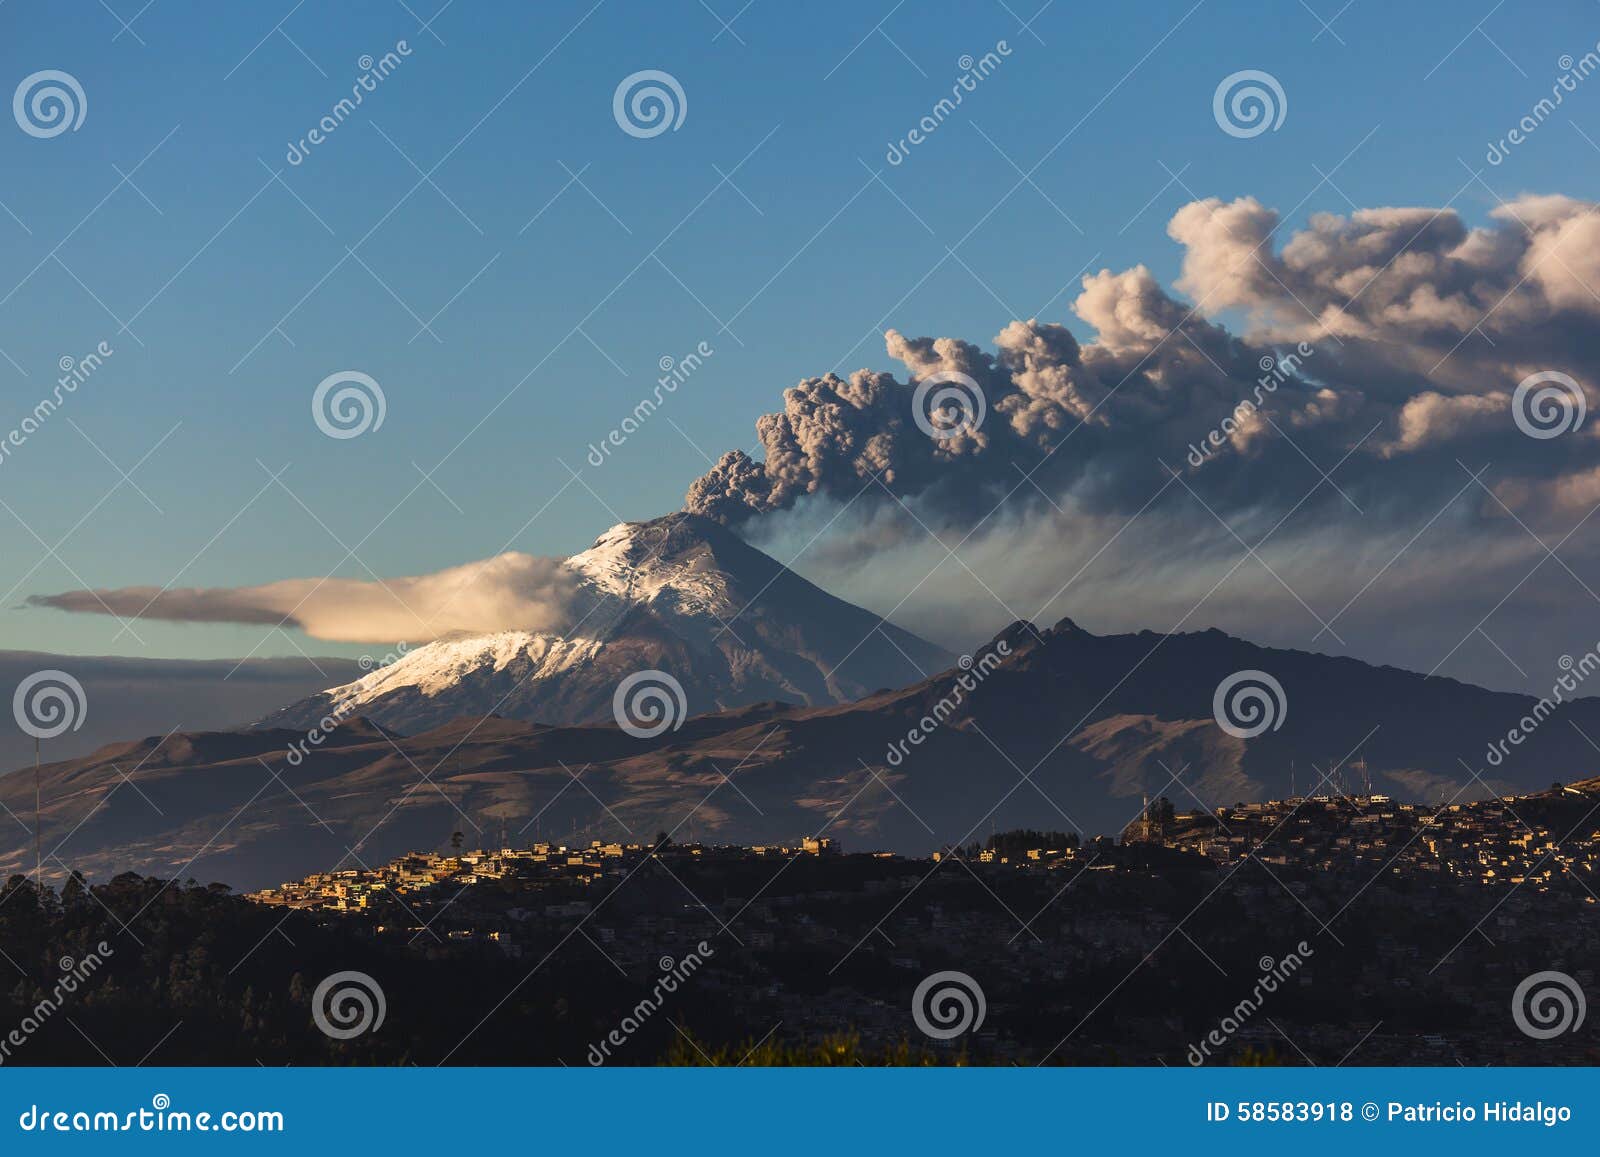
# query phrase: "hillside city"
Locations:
[[1398, 901], [1487, 842]]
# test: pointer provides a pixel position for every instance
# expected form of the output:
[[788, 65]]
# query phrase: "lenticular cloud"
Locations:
[[510, 590]]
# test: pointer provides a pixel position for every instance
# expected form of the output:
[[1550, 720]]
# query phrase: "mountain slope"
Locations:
[[1067, 730], [679, 594], [135, 696]]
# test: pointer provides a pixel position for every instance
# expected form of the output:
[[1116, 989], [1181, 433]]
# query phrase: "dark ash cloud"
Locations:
[[1416, 328], [1167, 488]]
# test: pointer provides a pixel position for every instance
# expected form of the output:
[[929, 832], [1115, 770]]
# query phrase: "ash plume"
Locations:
[[1407, 332]]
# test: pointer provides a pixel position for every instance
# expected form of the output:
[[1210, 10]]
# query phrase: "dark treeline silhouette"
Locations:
[[814, 961], [192, 974]]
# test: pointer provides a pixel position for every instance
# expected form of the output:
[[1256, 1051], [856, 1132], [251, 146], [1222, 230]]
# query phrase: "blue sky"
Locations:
[[228, 292]]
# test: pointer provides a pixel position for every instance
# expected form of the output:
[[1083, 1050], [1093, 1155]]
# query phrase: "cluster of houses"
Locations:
[[542, 865], [1500, 841]]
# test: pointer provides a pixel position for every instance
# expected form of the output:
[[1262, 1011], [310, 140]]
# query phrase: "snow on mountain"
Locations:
[[1069, 730], [679, 594], [438, 668]]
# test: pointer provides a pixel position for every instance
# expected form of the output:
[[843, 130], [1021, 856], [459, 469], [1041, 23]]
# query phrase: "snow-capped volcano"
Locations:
[[679, 594]]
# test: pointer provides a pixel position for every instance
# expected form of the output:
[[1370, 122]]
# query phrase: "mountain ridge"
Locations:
[[1069, 731]]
